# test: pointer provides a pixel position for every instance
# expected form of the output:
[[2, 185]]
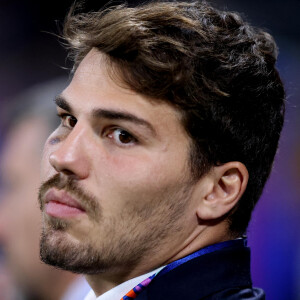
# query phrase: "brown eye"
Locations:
[[71, 121], [122, 137], [125, 137], [68, 120]]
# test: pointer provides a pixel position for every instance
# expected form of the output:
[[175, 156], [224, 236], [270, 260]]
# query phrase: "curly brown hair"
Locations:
[[211, 65]]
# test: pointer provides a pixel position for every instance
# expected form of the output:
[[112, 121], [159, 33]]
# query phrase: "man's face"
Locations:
[[117, 184]]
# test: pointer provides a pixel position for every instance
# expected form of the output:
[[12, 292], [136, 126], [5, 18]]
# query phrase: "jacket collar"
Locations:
[[202, 276]]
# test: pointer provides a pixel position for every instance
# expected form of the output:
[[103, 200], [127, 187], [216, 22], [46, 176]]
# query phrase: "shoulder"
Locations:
[[228, 294], [222, 274], [238, 294]]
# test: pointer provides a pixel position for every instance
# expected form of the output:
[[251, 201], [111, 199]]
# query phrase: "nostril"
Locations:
[[67, 172]]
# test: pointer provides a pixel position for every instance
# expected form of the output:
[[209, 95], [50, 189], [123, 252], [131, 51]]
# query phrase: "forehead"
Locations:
[[95, 85]]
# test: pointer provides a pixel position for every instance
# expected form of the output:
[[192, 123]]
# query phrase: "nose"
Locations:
[[71, 154]]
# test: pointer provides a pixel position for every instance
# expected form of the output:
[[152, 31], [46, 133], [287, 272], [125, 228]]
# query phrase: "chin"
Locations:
[[59, 249]]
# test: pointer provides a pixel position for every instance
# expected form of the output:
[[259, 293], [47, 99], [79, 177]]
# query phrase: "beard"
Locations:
[[121, 242]]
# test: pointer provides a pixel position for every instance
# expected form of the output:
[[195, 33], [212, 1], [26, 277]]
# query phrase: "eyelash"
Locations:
[[108, 132], [63, 117]]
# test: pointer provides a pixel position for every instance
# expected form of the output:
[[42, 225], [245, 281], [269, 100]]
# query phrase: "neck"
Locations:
[[202, 237]]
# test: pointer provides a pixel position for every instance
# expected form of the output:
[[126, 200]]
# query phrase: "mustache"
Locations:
[[88, 201]]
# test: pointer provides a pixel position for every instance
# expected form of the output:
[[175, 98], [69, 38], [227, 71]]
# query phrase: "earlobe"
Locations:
[[229, 183]]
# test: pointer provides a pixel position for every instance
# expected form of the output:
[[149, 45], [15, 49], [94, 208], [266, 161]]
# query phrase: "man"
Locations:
[[31, 120], [168, 134]]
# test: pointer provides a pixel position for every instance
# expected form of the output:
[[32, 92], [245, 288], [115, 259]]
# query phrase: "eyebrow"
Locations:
[[121, 115], [110, 114], [63, 103]]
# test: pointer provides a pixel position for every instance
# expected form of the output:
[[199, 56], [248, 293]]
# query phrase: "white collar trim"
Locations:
[[122, 289]]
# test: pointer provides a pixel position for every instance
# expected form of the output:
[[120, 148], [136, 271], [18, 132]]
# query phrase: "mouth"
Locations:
[[60, 204]]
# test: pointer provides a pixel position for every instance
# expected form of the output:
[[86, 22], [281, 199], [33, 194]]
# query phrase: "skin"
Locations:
[[20, 219], [139, 181]]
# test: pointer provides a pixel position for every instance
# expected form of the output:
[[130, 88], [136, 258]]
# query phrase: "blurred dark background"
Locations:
[[30, 54]]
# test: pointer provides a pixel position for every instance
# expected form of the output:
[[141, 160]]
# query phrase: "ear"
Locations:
[[228, 183]]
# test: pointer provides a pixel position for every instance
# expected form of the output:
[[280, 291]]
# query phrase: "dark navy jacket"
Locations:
[[223, 274]]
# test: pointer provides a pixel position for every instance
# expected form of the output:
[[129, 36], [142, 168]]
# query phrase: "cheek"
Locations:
[[142, 169], [156, 167], [127, 180]]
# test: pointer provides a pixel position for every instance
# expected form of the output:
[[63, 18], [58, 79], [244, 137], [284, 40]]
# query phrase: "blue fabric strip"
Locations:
[[241, 242]]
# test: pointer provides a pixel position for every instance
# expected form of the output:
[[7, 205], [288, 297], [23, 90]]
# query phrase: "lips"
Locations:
[[60, 204]]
